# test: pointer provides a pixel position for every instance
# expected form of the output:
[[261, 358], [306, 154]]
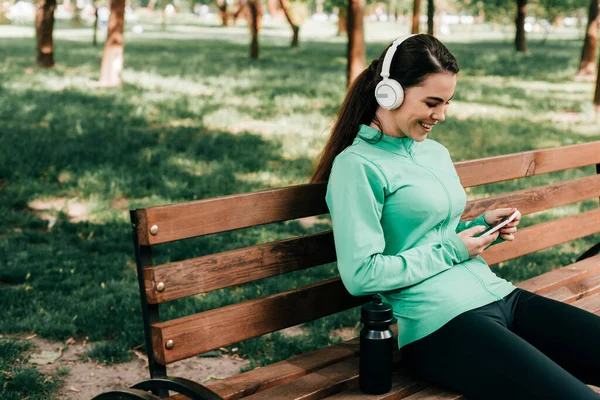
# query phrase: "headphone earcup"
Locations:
[[389, 94]]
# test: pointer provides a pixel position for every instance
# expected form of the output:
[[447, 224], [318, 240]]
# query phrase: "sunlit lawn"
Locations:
[[197, 119]]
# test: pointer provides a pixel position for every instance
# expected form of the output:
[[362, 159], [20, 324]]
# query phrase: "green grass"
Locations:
[[20, 381], [197, 119]]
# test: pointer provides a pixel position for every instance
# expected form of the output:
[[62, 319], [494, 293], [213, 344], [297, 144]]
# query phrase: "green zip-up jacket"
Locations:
[[395, 206]]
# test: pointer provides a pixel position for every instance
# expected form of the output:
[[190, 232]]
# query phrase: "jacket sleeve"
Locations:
[[480, 220], [355, 197]]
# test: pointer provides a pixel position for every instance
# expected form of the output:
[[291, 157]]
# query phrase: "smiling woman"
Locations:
[[396, 202]]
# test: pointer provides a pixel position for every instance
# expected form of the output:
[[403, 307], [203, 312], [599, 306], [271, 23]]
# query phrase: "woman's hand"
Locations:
[[476, 245], [493, 217]]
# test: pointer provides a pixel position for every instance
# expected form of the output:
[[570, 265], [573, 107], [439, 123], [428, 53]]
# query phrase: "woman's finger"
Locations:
[[508, 237], [508, 230]]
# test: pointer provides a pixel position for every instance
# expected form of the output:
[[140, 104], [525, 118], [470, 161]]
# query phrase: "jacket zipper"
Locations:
[[447, 220]]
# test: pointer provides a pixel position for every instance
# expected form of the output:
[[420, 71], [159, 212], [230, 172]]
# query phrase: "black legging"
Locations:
[[524, 346]]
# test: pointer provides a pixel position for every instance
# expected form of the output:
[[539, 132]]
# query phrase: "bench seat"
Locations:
[[332, 372]]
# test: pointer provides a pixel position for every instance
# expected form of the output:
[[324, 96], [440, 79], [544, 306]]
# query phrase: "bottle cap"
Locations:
[[376, 312]]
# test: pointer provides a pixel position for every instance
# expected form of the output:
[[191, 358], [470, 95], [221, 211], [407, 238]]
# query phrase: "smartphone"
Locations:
[[502, 223]]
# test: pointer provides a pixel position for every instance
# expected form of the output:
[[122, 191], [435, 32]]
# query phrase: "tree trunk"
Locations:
[[44, 27], [95, 24], [343, 21], [587, 66], [295, 28], [430, 16], [597, 93], [272, 8], [222, 6], [241, 8], [253, 23], [520, 43], [416, 14], [112, 60], [356, 39]]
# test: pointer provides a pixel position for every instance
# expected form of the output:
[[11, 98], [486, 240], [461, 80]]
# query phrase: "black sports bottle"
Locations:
[[376, 347]]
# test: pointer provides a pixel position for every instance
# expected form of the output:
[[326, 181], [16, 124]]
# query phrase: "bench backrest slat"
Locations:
[[221, 214], [235, 267], [204, 217], [545, 235], [528, 163], [539, 198], [199, 333]]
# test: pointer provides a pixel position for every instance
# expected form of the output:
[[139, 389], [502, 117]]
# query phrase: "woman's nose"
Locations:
[[439, 115]]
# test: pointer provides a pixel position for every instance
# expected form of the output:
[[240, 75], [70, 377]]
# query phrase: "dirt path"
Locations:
[[88, 379]]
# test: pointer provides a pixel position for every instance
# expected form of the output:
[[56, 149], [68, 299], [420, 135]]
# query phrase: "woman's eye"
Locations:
[[431, 105]]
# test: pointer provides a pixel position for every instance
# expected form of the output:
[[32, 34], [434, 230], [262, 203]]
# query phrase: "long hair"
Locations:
[[415, 59]]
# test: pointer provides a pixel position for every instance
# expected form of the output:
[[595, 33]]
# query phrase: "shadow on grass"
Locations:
[[77, 279]]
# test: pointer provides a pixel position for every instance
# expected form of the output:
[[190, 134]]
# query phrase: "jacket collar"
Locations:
[[378, 138]]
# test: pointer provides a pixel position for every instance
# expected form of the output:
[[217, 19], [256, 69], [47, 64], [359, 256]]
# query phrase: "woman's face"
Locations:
[[425, 105]]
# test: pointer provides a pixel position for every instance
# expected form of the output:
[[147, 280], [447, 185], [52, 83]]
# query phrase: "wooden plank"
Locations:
[[436, 393], [339, 381], [590, 303], [216, 271], [541, 198], [256, 380], [315, 386], [528, 163], [250, 382], [221, 214], [545, 235], [560, 277], [199, 333], [403, 384], [576, 290]]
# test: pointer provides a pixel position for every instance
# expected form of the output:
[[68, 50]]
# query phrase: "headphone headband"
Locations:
[[389, 55]]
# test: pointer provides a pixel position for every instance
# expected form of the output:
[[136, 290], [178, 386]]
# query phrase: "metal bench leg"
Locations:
[[126, 394], [186, 387]]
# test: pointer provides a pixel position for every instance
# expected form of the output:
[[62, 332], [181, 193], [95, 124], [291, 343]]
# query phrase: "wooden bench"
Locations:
[[330, 372]]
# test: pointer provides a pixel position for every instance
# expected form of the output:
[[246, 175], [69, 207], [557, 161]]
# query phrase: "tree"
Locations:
[[520, 43], [222, 6], [597, 93], [254, 25], [356, 39], [416, 14], [430, 16], [95, 39], [112, 59], [44, 28], [295, 28], [587, 65]]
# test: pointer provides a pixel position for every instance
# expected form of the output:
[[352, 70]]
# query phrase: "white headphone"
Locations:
[[389, 93]]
